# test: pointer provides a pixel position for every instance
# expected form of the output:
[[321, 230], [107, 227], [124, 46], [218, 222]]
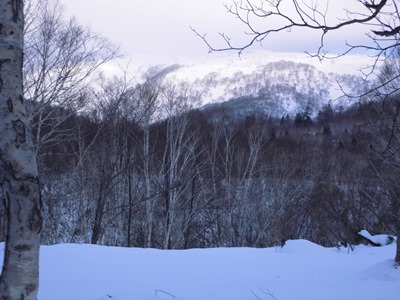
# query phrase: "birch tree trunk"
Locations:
[[146, 169], [18, 169]]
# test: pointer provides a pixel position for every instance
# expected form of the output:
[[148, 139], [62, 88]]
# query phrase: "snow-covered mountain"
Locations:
[[272, 83]]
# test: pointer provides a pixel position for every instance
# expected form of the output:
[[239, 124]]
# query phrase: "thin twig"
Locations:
[[164, 292], [255, 295], [268, 292]]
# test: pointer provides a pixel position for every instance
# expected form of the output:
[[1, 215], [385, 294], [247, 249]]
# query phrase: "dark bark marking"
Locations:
[[20, 131], [1, 66], [1, 79], [21, 98], [35, 219], [16, 5], [7, 200], [10, 105], [24, 189], [22, 247], [29, 288], [5, 297], [20, 211]]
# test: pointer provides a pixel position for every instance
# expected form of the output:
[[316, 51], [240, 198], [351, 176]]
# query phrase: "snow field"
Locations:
[[300, 270]]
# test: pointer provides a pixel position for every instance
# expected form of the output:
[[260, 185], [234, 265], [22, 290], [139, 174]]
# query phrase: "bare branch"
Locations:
[[311, 17]]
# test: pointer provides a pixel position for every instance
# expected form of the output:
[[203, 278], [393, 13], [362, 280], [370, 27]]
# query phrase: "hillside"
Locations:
[[282, 83]]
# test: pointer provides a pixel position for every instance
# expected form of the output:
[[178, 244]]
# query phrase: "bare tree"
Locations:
[[61, 59], [117, 110], [177, 156], [148, 93], [18, 169]]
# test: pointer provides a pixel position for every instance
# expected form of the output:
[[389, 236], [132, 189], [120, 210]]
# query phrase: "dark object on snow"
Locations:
[[377, 240]]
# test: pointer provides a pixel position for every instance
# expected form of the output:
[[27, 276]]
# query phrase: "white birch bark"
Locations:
[[149, 202], [18, 169]]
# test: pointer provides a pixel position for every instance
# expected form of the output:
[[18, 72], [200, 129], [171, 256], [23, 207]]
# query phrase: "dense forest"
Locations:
[[119, 175]]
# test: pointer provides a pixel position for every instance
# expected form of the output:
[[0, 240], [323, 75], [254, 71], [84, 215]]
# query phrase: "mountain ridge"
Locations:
[[287, 82]]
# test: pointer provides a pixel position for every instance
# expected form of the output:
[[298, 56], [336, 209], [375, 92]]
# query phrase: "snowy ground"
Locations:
[[300, 270]]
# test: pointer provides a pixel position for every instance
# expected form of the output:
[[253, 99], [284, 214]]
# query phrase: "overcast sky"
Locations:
[[162, 27]]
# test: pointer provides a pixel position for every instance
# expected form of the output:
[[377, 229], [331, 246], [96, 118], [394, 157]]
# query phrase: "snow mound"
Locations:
[[302, 247]]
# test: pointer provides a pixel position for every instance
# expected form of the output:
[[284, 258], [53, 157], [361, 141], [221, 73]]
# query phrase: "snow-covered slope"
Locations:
[[289, 81], [299, 270]]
